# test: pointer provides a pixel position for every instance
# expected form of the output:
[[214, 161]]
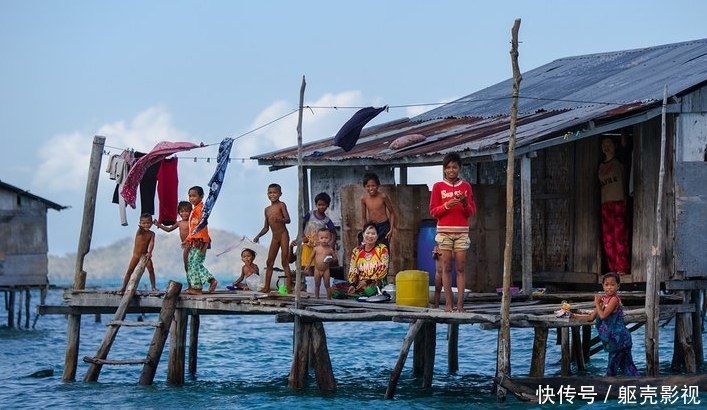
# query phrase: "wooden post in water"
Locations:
[[300, 356], [11, 308], [428, 366], [193, 342], [652, 282], [453, 347], [537, 361], [565, 351], [177, 349], [169, 305], [321, 361], [404, 350], [696, 296], [73, 326], [503, 366], [577, 350]]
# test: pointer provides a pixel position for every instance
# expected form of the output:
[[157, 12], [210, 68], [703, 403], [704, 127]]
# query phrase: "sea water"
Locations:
[[244, 361]]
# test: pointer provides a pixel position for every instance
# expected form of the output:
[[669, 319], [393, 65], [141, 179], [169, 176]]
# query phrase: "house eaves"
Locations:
[[24, 193], [569, 98]]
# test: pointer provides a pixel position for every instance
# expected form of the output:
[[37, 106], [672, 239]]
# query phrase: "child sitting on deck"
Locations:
[[613, 333]]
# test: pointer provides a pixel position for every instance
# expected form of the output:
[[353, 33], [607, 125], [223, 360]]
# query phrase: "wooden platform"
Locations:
[[482, 308]]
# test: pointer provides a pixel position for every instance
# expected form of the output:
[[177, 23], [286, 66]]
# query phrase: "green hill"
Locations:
[[111, 261]]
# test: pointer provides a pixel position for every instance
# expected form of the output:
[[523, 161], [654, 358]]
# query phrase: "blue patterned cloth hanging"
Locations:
[[216, 181]]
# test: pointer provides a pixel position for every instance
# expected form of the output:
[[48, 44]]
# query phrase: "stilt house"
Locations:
[[565, 109], [23, 244]]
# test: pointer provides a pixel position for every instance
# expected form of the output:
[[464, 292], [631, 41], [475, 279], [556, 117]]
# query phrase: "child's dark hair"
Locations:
[[323, 196], [611, 275], [252, 252], [451, 157], [146, 215], [371, 176], [276, 186], [323, 229], [199, 190], [183, 206]]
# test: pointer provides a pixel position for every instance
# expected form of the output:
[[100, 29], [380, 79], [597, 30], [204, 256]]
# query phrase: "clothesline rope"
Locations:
[[312, 107]]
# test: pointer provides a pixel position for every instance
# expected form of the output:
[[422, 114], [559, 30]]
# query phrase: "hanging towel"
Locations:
[[215, 183], [168, 191], [138, 169], [348, 135]]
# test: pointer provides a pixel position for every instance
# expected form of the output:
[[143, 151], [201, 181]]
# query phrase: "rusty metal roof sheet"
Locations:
[[555, 99]]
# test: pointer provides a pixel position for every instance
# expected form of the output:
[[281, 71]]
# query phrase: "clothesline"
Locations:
[[194, 159]]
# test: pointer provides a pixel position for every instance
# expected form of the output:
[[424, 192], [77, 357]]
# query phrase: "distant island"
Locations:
[[111, 261]]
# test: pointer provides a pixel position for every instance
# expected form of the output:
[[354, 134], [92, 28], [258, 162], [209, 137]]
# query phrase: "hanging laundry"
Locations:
[[215, 183], [156, 155], [347, 137], [117, 169], [168, 191]]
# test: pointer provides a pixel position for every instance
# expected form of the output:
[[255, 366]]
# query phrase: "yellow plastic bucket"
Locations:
[[412, 288]]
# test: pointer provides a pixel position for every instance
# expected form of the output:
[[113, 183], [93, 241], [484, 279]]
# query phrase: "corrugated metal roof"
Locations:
[[556, 98]]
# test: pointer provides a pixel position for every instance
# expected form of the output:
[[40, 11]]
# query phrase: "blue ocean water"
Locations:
[[243, 362]]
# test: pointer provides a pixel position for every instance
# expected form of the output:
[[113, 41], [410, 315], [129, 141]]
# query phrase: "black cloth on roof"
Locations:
[[348, 135]]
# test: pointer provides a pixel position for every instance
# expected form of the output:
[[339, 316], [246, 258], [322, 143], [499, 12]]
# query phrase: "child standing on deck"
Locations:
[[249, 272], [314, 221], [322, 255], [144, 243], [276, 217], [609, 315], [197, 244], [376, 207], [452, 204], [184, 210]]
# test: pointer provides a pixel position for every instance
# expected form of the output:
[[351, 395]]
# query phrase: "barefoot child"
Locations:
[[322, 255], [183, 209], [609, 315], [452, 204], [376, 207], [249, 271], [197, 244], [276, 217], [313, 221], [144, 242]]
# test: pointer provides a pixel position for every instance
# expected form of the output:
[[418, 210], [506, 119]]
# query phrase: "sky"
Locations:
[[141, 72]]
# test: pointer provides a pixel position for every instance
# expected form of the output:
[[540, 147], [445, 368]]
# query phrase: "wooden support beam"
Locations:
[[697, 318], [159, 338], [404, 350], [418, 354], [577, 350], [565, 349], [177, 349], [430, 332], [300, 357], [321, 362], [537, 361], [193, 342], [453, 347]]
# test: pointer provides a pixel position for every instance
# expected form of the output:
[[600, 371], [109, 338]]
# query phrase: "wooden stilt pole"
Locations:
[[453, 347], [404, 350], [565, 349], [11, 309], [430, 332], [503, 364], [697, 327], [294, 381], [177, 349], [652, 280], [577, 350], [169, 305], [321, 360], [73, 326], [300, 358], [418, 354], [193, 342], [537, 361], [19, 309]]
